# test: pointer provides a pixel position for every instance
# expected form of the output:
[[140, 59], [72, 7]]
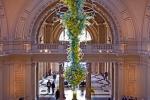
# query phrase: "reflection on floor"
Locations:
[[100, 85], [43, 91], [102, 89]]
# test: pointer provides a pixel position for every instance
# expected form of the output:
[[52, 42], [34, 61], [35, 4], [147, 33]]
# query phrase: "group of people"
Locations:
[[57, 93], [82, 84], [129, 98], [51, 85], [105, 75]]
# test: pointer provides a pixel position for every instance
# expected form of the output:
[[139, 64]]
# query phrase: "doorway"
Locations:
[[102, 80]]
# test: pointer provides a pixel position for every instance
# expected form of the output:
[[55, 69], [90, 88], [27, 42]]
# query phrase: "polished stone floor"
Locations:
[[100, 86], [94, 98]]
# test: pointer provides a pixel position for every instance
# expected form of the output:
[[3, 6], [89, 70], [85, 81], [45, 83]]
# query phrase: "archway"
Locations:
[[37, 20], [101, 31]]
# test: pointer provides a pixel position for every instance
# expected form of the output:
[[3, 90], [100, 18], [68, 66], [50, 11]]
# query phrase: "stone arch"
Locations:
[[122, 18], [146, 27], [145, 43], [26, 19], [118, 15], [110, 19], [145, 34], [3, 25]]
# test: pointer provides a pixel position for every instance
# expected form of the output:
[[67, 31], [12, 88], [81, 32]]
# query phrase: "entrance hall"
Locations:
[[100, 81], [114, 47]]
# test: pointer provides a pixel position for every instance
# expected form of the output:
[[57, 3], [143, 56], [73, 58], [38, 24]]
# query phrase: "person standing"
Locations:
[[54, 76], [49, 72], [53, 87], [105, 75], [48, 86], [57, 94]]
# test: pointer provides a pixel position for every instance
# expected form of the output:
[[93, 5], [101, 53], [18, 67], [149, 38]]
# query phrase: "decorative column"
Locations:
[[88, 82], [61, 81]]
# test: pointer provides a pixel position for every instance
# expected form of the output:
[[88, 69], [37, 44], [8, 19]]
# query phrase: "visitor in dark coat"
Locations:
[[53, 87], [57, 94]]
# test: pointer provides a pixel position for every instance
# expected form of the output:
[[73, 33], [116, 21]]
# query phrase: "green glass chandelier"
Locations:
[[74, 20]]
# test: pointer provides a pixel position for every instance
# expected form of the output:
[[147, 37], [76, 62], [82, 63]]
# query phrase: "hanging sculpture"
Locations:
[[74, 20]]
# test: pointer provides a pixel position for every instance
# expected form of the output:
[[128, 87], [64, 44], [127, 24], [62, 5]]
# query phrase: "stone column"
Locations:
[[116, 81], [88, 82], [100, 67], [141, 81], [42, 67], [11, 80], [113, 81], [44, 63], [61, 81], [37, 80], [29, 87], [6, 82], [103, 67], [120, 79], [39, 64], [1, 82], [148, 80], [33, 79], [109, 70]]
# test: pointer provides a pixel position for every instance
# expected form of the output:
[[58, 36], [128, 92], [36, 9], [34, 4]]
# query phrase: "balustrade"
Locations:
[[27, 48]]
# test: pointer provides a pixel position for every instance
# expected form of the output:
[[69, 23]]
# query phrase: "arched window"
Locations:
[[83, 38]]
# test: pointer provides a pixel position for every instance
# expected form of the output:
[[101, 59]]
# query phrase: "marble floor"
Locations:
[[99, 93]]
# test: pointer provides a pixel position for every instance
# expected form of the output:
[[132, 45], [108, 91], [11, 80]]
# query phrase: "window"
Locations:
[[84, 37]]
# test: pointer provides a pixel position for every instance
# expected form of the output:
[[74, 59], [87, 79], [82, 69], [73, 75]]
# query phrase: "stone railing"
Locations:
[[86, 48], [27, 48]]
